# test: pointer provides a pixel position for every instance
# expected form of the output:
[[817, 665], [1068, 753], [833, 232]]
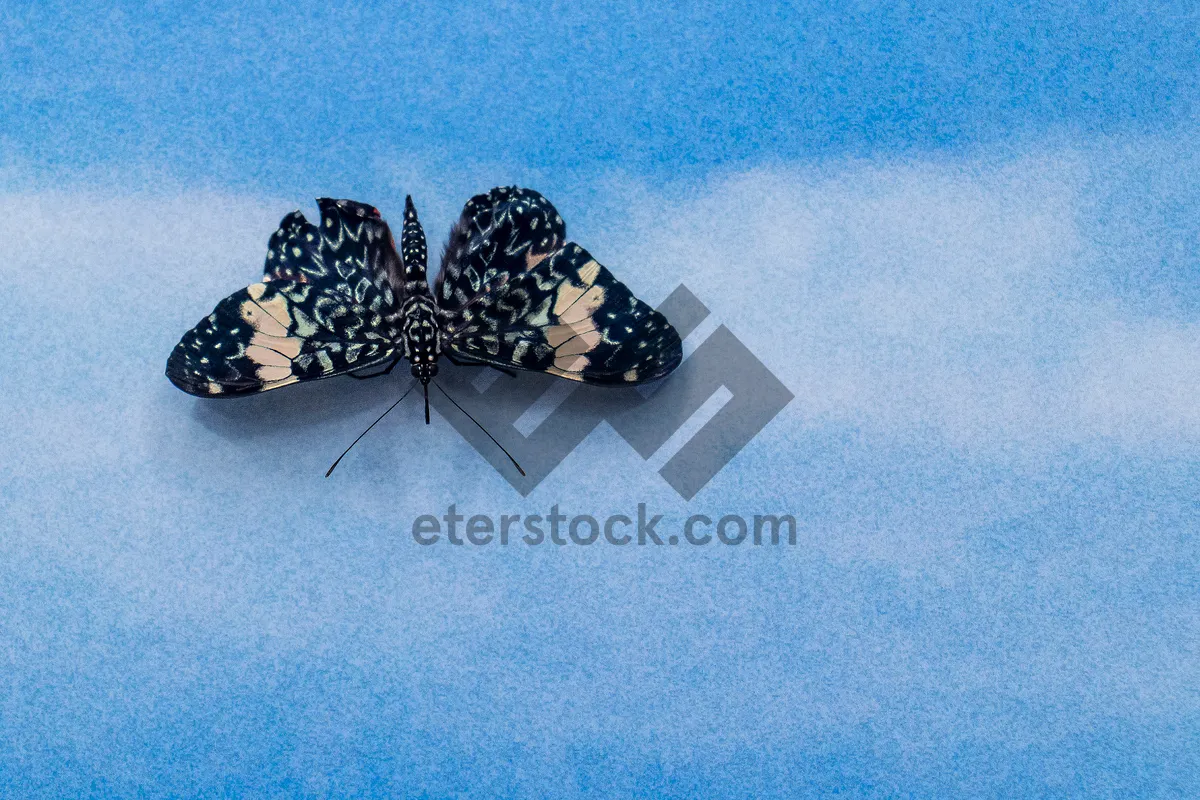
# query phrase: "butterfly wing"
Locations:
[[328, 304], [514, 293], [499, 235], [568, 316]]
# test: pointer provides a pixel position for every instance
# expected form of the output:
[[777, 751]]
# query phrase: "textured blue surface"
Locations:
[[965, 237]]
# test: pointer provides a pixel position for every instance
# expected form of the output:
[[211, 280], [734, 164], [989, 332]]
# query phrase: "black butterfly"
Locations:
[[511, 293]]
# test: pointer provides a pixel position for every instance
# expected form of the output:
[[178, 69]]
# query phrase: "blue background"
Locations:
[[964, 235]]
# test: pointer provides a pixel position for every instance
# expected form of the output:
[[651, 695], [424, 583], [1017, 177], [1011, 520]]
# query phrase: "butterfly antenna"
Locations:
[[372, 425], [493, 438]]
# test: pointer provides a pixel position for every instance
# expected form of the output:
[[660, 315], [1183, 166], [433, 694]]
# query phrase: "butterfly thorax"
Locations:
[[420, 339]]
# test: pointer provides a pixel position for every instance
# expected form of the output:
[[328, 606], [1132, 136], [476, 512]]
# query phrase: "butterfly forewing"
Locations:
[[569, 316], [274, 334]]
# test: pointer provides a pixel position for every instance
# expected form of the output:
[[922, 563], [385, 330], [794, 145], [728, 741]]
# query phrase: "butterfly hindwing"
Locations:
[[570, 317], [328, 304], [292, 253], [358, 255], [500, 234]]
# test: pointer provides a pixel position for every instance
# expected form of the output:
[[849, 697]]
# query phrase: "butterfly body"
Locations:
[[421, 340], [340, 299]]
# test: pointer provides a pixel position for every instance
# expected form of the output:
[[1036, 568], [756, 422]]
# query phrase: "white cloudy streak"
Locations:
[[957, 299], [1140, 381]]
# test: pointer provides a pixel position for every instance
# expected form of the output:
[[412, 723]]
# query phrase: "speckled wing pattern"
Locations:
[[515, 293], [328, 304]]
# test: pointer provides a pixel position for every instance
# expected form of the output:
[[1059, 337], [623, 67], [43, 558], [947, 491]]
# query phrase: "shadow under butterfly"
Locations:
[[512, 293]]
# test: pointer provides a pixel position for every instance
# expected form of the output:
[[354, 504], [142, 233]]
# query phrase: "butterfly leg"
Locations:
[[390, 367], [458, 363]]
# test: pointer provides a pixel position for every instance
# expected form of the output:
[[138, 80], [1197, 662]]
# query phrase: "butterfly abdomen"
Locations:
[[413, 253]]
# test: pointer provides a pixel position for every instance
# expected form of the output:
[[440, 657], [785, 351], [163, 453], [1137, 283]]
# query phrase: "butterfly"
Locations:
[[338, 299]]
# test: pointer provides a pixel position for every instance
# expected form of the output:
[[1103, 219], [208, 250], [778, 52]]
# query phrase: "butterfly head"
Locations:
[[425, 371]]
